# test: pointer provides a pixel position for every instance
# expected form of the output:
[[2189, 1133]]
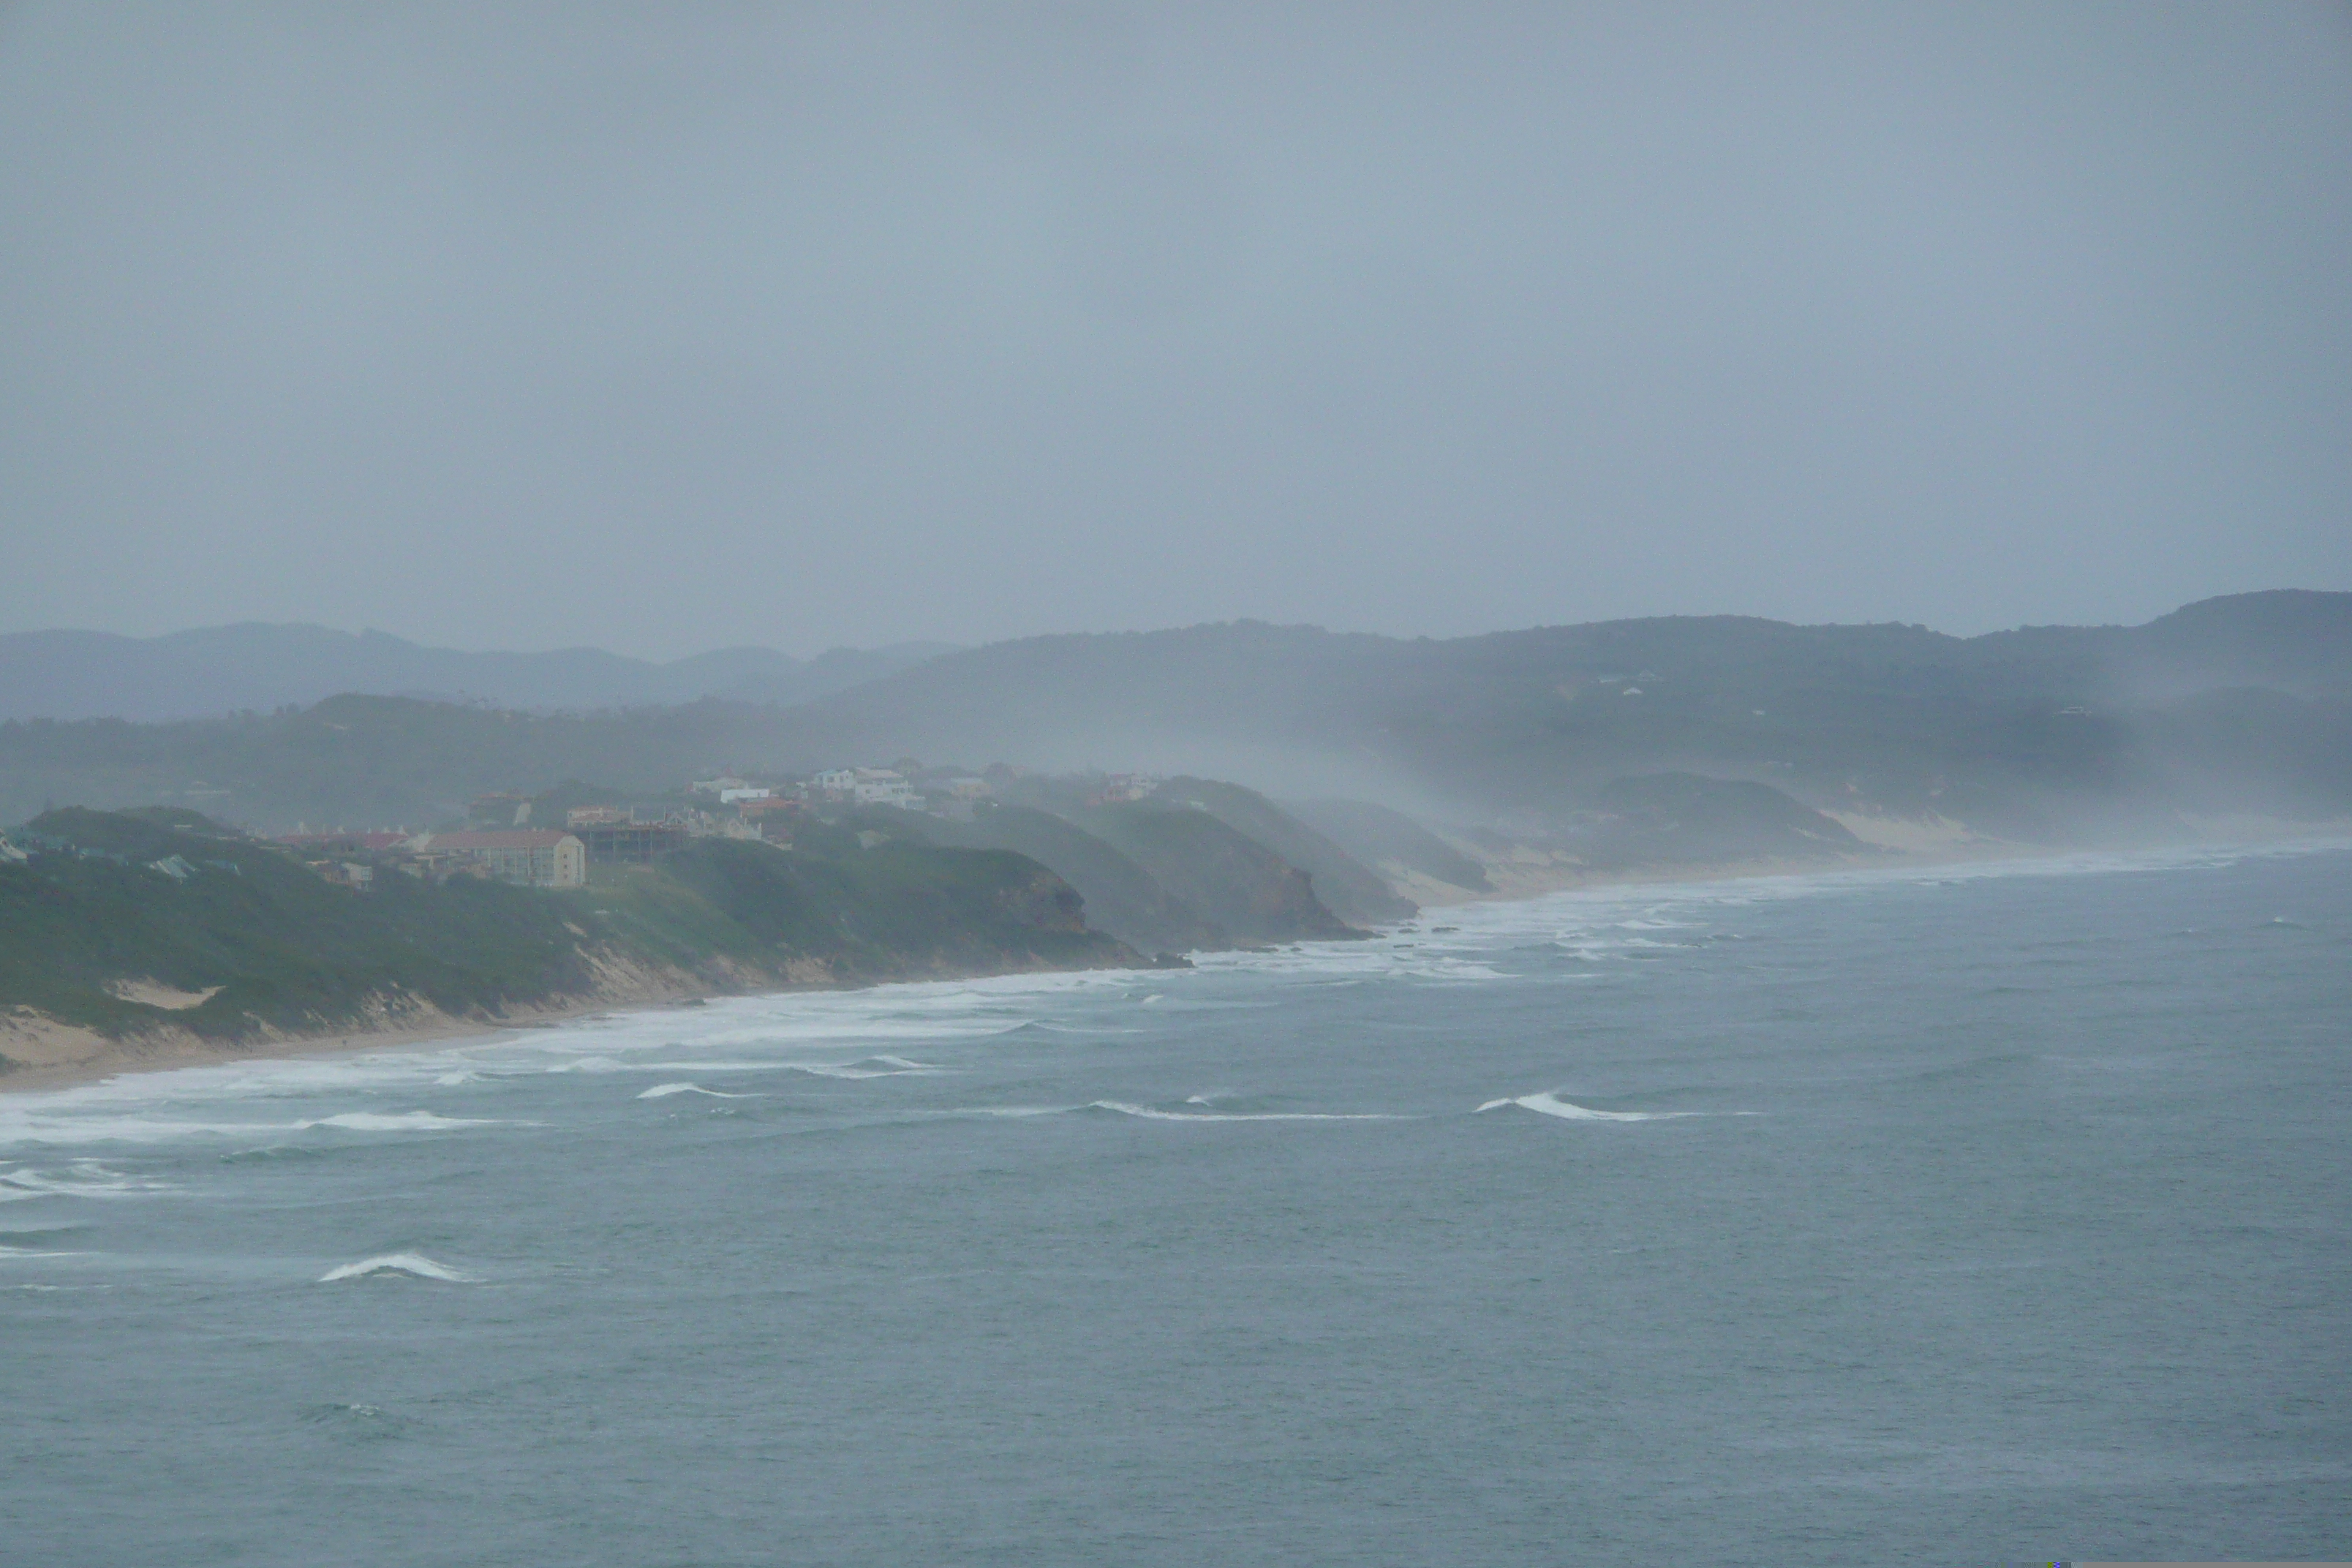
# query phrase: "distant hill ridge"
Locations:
[[2293, 639], [259, 666], [2236, 705]]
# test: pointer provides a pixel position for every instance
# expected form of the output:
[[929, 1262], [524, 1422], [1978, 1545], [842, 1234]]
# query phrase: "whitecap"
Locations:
[[1149, 1114], [1550, 1104], [128, 1128], [664, 1090], [395, 1121], [858, 1069], [855, 1069], [413, 1265], [86, 1179]]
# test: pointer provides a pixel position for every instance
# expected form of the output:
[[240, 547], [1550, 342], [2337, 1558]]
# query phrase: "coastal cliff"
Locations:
[[159, 934]]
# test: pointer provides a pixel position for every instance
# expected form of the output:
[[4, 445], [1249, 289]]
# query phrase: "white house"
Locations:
[[882, 786], [1130, 787]]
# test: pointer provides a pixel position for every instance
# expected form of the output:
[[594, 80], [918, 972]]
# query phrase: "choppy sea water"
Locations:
[[1923, 1216]]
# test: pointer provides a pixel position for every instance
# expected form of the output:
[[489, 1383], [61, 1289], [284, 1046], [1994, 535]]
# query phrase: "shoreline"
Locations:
[[106, 1058]]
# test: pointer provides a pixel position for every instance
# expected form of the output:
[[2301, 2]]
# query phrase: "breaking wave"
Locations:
[[863, 1067], [1153, 1113], [412, 1265], [1550, 1104], [86, 1179], [1149, 1114], [664, 1090], [395, 1121]]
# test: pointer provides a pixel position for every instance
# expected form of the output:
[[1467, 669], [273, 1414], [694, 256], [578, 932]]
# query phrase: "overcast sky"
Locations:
[[663, 329]]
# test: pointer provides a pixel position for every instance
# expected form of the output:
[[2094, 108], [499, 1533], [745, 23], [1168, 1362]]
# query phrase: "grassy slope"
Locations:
[[1350, 890], [285, 948], [1374, 833], [1238, 882], [1121, 897], [291, 951]]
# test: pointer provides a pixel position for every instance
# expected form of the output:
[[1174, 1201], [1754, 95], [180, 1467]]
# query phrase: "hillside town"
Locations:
[[511, 836]]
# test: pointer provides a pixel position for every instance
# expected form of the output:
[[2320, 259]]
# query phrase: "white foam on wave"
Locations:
[[1551, 1104], [819, 1070], [1594, 922], [413, 1265], [779, 1030], [1150, 1114], [1357, 961], [790, 1022], [84, 1179], [120, 1128], [859, 1068], [398, 1121], [664, 1090], [135, 1129]]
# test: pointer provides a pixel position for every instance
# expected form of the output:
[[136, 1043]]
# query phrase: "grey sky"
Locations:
[[668, 328]]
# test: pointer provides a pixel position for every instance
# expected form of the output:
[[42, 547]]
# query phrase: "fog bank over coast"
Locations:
[[2236, 706]]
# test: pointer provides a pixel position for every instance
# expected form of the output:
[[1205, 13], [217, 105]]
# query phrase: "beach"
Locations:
[[52, 1055]]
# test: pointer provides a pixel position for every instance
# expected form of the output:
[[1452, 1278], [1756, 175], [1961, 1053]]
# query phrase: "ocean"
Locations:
[[1965, 1214]]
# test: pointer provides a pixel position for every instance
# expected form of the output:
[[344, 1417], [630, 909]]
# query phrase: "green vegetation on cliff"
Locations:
[[1379, 837], [1348, 887], [1245, 886], [114, 903], [1121, 896]]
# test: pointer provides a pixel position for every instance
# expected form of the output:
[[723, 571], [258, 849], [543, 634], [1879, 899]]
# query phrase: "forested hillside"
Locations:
[[2048, 735]]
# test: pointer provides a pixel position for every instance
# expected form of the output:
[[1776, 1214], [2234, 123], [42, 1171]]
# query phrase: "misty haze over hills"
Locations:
[[2235, 704], [257, 668], [2289, 639], [1395, 785]]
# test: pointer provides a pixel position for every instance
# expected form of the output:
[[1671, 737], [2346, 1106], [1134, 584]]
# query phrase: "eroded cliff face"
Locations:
[[1246, 888], [1120, 897], [1043, 902]]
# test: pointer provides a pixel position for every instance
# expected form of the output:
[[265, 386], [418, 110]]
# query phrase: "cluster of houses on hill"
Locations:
[[505, 842], [509, 844], [939, 792], [531, 857]]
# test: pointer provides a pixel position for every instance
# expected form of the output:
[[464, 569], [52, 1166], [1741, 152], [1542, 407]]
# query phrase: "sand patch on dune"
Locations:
[[155, 993]]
